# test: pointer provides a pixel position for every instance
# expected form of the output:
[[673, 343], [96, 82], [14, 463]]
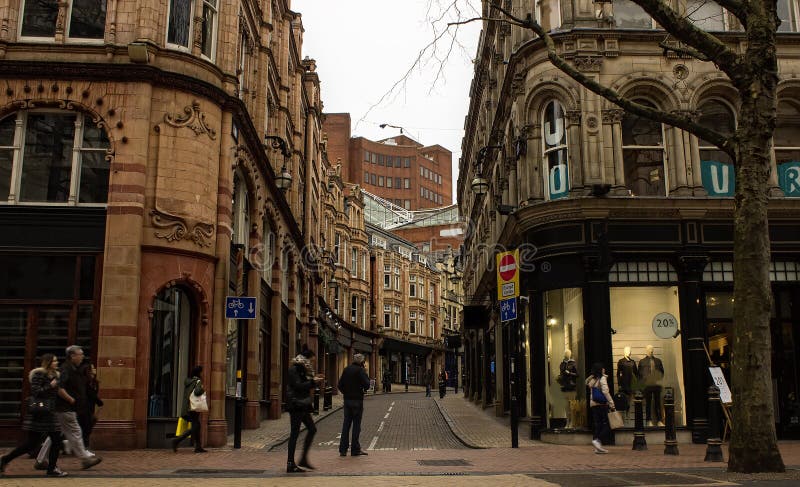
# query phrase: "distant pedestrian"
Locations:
[[600, 403], [353, 382], [40, 420], [442, 384], [300, 382], [387, 381], [87, 411], [428, 379], [71, 394], [191, 386]]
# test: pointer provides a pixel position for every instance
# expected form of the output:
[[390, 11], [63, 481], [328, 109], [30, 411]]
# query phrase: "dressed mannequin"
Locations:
[[651, 371], [569, 372], [626, 371]]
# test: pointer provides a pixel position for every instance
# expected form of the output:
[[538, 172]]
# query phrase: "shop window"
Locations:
[[642, 272], [60, 158], [628, 15], [643, 361], [171, 351], [556, 172], [787, 147], [563, 318], [718, 272], [643, 155], [87, 19], [784, 271], [716, 167], [706, 15]]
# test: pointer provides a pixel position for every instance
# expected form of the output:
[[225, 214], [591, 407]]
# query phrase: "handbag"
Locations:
[[37, 407], [198, 404], [598, 396], [615, 420]]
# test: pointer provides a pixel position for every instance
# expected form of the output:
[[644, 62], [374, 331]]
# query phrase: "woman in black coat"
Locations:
[[44, 389], [300, 382]]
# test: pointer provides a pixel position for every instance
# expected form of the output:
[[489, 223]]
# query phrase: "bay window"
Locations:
[[86, 19]]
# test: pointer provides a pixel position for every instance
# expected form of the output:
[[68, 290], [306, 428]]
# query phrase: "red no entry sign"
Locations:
[[508, 267]]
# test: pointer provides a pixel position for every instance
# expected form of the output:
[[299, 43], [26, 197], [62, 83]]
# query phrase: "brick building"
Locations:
[[411, 175]]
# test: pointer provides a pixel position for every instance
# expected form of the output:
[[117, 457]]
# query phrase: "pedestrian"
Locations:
[[442, 384], [300, 382], [352, 384], [87, 411], [428, 379], [71, 394], [387, 381], [600, 402], [40, 420], [191, 386]]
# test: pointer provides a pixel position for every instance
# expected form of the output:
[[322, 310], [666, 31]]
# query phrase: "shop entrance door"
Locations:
[[785, 334]]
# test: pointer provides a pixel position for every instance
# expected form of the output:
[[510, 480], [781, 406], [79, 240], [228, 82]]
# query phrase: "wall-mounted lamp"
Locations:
[[283, 180], [384, 125], [333, 282], [551, 321], [480, 186]]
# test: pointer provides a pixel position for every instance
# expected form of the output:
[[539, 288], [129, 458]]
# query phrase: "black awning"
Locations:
[[358, 337], [344, 341], [392, 345], [362, 347], [476, 317]]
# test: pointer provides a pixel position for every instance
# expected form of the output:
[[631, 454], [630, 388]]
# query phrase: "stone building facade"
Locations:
[[623, 224]]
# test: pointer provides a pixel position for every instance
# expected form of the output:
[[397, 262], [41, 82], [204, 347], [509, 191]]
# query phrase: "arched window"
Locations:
[[240, 212], [786, 141], [554, 134], [170, 352], [643, 155], [53, 157], [716, 167]]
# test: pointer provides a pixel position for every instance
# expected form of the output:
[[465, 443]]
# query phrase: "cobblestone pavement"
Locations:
[[391, 422], [478, 428]]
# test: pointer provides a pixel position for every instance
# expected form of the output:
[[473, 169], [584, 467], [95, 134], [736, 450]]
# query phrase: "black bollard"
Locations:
[[639, 441], [714, 443], [316, 400], [670, 438], [327, 401]]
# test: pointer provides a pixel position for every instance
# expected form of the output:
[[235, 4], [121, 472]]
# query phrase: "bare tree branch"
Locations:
[[688, 51], [673, 119], [738, 8]]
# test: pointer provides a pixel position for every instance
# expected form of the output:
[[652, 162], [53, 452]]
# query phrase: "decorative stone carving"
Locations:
[[612, 115], [588, 63], [193, 118], [592, 123], [692, 115], [680, 71], [573, 116], [180, 228]]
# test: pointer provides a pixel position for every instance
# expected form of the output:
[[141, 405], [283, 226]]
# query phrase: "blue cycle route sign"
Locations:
[[508, 309], [240, 307]]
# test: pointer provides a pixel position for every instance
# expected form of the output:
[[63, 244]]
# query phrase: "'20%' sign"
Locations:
[[665, 325]]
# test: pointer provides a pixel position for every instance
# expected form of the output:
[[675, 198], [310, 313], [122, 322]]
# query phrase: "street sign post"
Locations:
[[508, 309], [507, 275], [240, 307]]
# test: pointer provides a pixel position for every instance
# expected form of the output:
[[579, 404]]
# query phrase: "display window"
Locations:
[[566, 366], [646, 350]]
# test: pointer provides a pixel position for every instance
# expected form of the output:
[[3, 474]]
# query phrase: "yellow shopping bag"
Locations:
[[183, 426]]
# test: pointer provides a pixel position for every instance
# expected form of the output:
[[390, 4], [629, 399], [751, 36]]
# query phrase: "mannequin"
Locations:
[[626, 371], [569, 372], [651, 371]]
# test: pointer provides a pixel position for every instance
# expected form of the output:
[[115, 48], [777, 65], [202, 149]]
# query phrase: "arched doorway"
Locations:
[[172, 353]]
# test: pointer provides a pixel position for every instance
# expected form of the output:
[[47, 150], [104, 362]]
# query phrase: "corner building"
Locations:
[[137, 193], [622, 223]]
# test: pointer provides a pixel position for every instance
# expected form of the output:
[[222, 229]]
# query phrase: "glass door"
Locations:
[[13, 329], [784, 363]]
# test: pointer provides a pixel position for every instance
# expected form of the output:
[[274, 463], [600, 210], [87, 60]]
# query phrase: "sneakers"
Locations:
[[67, 448], [91, 462], [598, 447], [56, 472], [292, 468], [40, 465]]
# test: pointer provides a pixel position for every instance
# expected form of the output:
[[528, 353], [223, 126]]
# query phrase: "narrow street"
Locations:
[[391, 422]]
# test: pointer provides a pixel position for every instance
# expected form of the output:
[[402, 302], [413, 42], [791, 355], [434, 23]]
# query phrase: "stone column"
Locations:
[[252, 407], [278, 368], [612, 117]]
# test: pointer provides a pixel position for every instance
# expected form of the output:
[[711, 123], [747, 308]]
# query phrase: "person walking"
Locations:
[[387, 381], [353, 382], [600, 402], [40, 420], [300, 382], [442, 384], [192, 385], [87, 410], [71, 394], [428, 379]]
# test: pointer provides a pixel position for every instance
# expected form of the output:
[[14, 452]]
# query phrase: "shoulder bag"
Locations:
[[38, 408], [615, 420], [198, 404]]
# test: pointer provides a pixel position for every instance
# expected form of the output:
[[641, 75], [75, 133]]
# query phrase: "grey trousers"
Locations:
[[71, 430]]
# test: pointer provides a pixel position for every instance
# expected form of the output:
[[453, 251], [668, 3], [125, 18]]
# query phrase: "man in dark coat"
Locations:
[[352, 384]]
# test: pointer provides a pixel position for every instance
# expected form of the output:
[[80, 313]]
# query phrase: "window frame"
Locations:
[[662, 147], [554, 150], [67, 25]]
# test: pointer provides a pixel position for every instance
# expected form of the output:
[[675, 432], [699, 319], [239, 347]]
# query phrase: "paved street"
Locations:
[[391, 422]]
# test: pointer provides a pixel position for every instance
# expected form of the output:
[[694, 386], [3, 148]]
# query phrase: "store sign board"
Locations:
[[789, 178], [718, 178], [507, 275], [665, 325], [722, 385]]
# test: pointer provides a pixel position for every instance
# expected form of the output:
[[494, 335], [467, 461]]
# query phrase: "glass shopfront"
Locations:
[[566, 366], [642, 359]]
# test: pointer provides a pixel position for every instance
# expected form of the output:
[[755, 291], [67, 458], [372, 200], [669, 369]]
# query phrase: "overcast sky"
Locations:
[[364, 47]]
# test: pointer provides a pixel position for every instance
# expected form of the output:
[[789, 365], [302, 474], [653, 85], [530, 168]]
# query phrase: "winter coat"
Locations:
[[299, 384], [42, 391], [190, 385], [353, 382], [602, 384]]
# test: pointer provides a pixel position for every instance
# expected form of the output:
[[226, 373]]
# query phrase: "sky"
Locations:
[[363, 48]]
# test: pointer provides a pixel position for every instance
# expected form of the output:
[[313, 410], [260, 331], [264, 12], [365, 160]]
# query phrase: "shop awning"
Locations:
[[362, 347], [392, 345]]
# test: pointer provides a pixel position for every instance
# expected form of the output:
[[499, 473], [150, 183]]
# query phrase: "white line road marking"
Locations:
[[385, 449], [380, 428], [392, 403], [372, 443], [387, 415], [420, 449], [390, 408]]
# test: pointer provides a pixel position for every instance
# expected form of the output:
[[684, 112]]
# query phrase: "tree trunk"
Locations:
[[754, 446]]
